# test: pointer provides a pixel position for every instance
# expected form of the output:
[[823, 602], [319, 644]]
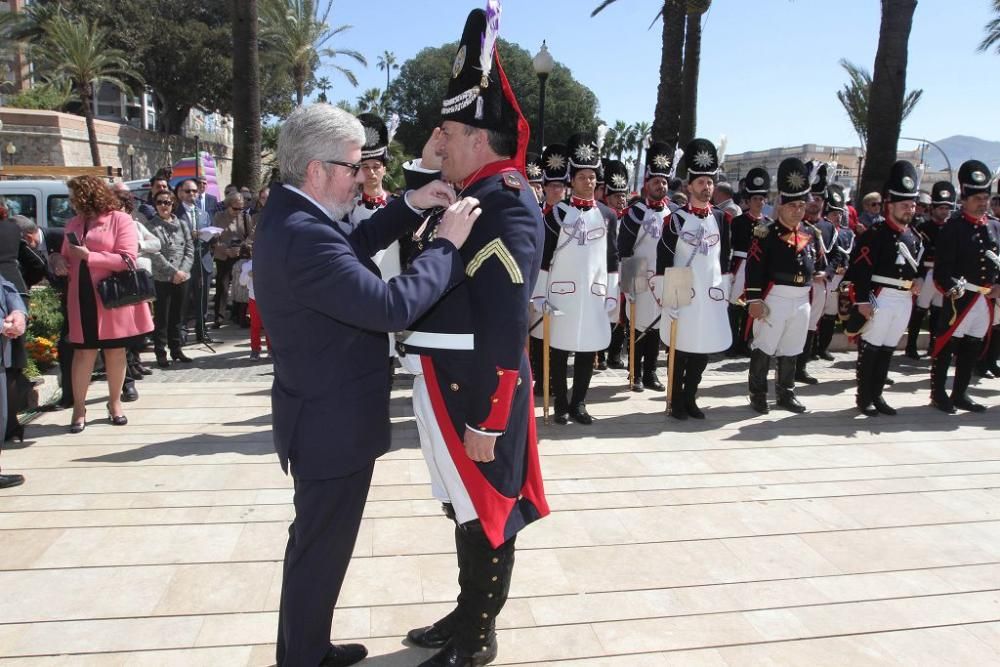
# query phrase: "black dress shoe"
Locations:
[[162, 361], [135, 373], [7, 481], [759, 403], [615, 362], [943, 403], [143, 370], [651, 382], [341, 655], [431, 636], [637, 388], [889, 382], [678, 410], [912, 354], [790, 403], [826, 356], [693, 409], [602, 365], [129, 393], [803, 377], [867, 409], [963, 402], [579, 414], [561, 418], [178, 355], [883, 407], [451, 656]]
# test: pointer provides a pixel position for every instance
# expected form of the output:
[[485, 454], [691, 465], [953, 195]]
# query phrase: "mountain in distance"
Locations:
[[960, 148]]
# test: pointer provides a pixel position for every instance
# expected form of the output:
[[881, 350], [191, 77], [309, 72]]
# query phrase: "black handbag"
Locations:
[[128, 287]]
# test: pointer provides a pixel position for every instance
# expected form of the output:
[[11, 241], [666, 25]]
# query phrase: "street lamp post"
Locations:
[[130, 151], [940, 150], [543, 64], [11, 151]]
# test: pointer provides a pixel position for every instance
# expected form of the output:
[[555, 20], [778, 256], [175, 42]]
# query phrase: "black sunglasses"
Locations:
[[163, 202], [353, 166]]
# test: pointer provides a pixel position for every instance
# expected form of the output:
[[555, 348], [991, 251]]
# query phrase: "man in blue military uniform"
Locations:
[[838, 257], [824, 232], [472, 393], [930, 299], [965, 270], [885, 273], [327, 312], [780, 267], [756, 186]]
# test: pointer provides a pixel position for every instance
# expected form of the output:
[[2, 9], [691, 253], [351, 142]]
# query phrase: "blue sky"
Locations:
[[769, 69]]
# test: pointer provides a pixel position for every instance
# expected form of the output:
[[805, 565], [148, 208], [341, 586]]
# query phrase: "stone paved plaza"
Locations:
[[821, 539]]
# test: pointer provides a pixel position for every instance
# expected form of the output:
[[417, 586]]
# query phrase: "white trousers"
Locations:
[[976, 322], [832, 305], [818, 303], [891, 318], [784, 332], [446, 483], [929, 294]]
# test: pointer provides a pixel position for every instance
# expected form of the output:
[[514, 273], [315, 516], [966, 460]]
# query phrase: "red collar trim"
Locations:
[[581, 203], [975, 221], [700, 212], [487, 170], [893, 226], [372, 201], [656, 204]]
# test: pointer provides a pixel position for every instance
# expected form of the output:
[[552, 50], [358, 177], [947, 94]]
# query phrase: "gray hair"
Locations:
[[24, 223], [315, 132], [233, 198]]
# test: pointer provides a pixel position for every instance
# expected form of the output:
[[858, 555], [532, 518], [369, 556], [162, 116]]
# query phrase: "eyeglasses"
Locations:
[[874, 203], [164, 202], [353, 166]]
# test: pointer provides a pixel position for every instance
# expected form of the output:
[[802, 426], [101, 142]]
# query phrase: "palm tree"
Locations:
[[641, 132], [885, 103], [323, 84], [692, 64], [297, 35], [666, 117], [387, 62], [616, 138], [246, 95], [371, 100], [992, 37], [77, 50], [855, 94]]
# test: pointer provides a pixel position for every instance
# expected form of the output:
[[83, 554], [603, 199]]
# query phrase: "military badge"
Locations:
[[661, 161]]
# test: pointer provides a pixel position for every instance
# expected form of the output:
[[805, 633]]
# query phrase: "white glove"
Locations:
[[610, 304], [538, 304], [671, 313]]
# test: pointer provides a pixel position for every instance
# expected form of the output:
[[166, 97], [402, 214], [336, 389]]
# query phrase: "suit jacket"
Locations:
[[327, 311], [10, 243], [200, 221], [10, 301], [211, 204]]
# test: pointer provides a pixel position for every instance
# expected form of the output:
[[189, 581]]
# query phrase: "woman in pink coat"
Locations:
[[105, 235]]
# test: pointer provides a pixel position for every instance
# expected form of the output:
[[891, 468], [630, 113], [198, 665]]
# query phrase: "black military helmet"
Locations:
[[943, 193], [902, 183], [757, 182], [582, 153], [555, 165], [376, 138], [659, 159], [793, 180], [974, 178], [701, 158], [835, 198], [616, 176], [533, 167]]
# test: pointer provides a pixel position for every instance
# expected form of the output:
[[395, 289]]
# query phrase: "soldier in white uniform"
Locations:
[[780, 267], [616, 197], [639, 237], [697, 237], [838, 256], [579, 280]]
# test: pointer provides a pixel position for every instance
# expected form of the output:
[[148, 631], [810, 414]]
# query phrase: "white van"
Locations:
[[44, 201]]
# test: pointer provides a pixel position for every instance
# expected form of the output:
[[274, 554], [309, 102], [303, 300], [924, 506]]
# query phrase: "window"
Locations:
[[25, 205], [59, 210]]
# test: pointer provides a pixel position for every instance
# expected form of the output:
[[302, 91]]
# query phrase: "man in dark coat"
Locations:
[[327, 312]]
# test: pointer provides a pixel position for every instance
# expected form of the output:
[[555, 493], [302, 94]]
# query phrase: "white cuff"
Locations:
[[406, 199], [492, 434]]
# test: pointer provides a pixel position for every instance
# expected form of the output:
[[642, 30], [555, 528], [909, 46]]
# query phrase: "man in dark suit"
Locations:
[[188, 210], [204, 201], [327, 312]]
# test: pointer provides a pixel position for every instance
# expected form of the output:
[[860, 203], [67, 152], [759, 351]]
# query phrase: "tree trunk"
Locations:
[[637, 177], [689, 88], [885, 104], [246, 95], [666, 118], [88, 114]]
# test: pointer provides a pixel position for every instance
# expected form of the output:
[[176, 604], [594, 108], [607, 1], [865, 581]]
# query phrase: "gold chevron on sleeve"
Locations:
[[496, 248]]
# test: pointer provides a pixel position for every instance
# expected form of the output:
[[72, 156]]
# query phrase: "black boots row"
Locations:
[[872, 371], [687, 372], [966, 351], [760, 364], [467, 635]]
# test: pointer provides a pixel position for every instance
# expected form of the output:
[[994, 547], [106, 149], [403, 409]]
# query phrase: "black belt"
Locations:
[[795, 279]]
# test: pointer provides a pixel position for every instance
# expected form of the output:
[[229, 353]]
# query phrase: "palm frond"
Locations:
[[601, 7]]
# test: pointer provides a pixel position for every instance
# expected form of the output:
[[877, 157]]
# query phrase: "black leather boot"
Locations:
[[939, 375], [615, 348], [484, 578], [883, 361], [987, 367], [693, 370], [760, 364], [824, 336], [866, 378], [934, 314], [786, 385], [913, 332], [801, 373], [968, 351]]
